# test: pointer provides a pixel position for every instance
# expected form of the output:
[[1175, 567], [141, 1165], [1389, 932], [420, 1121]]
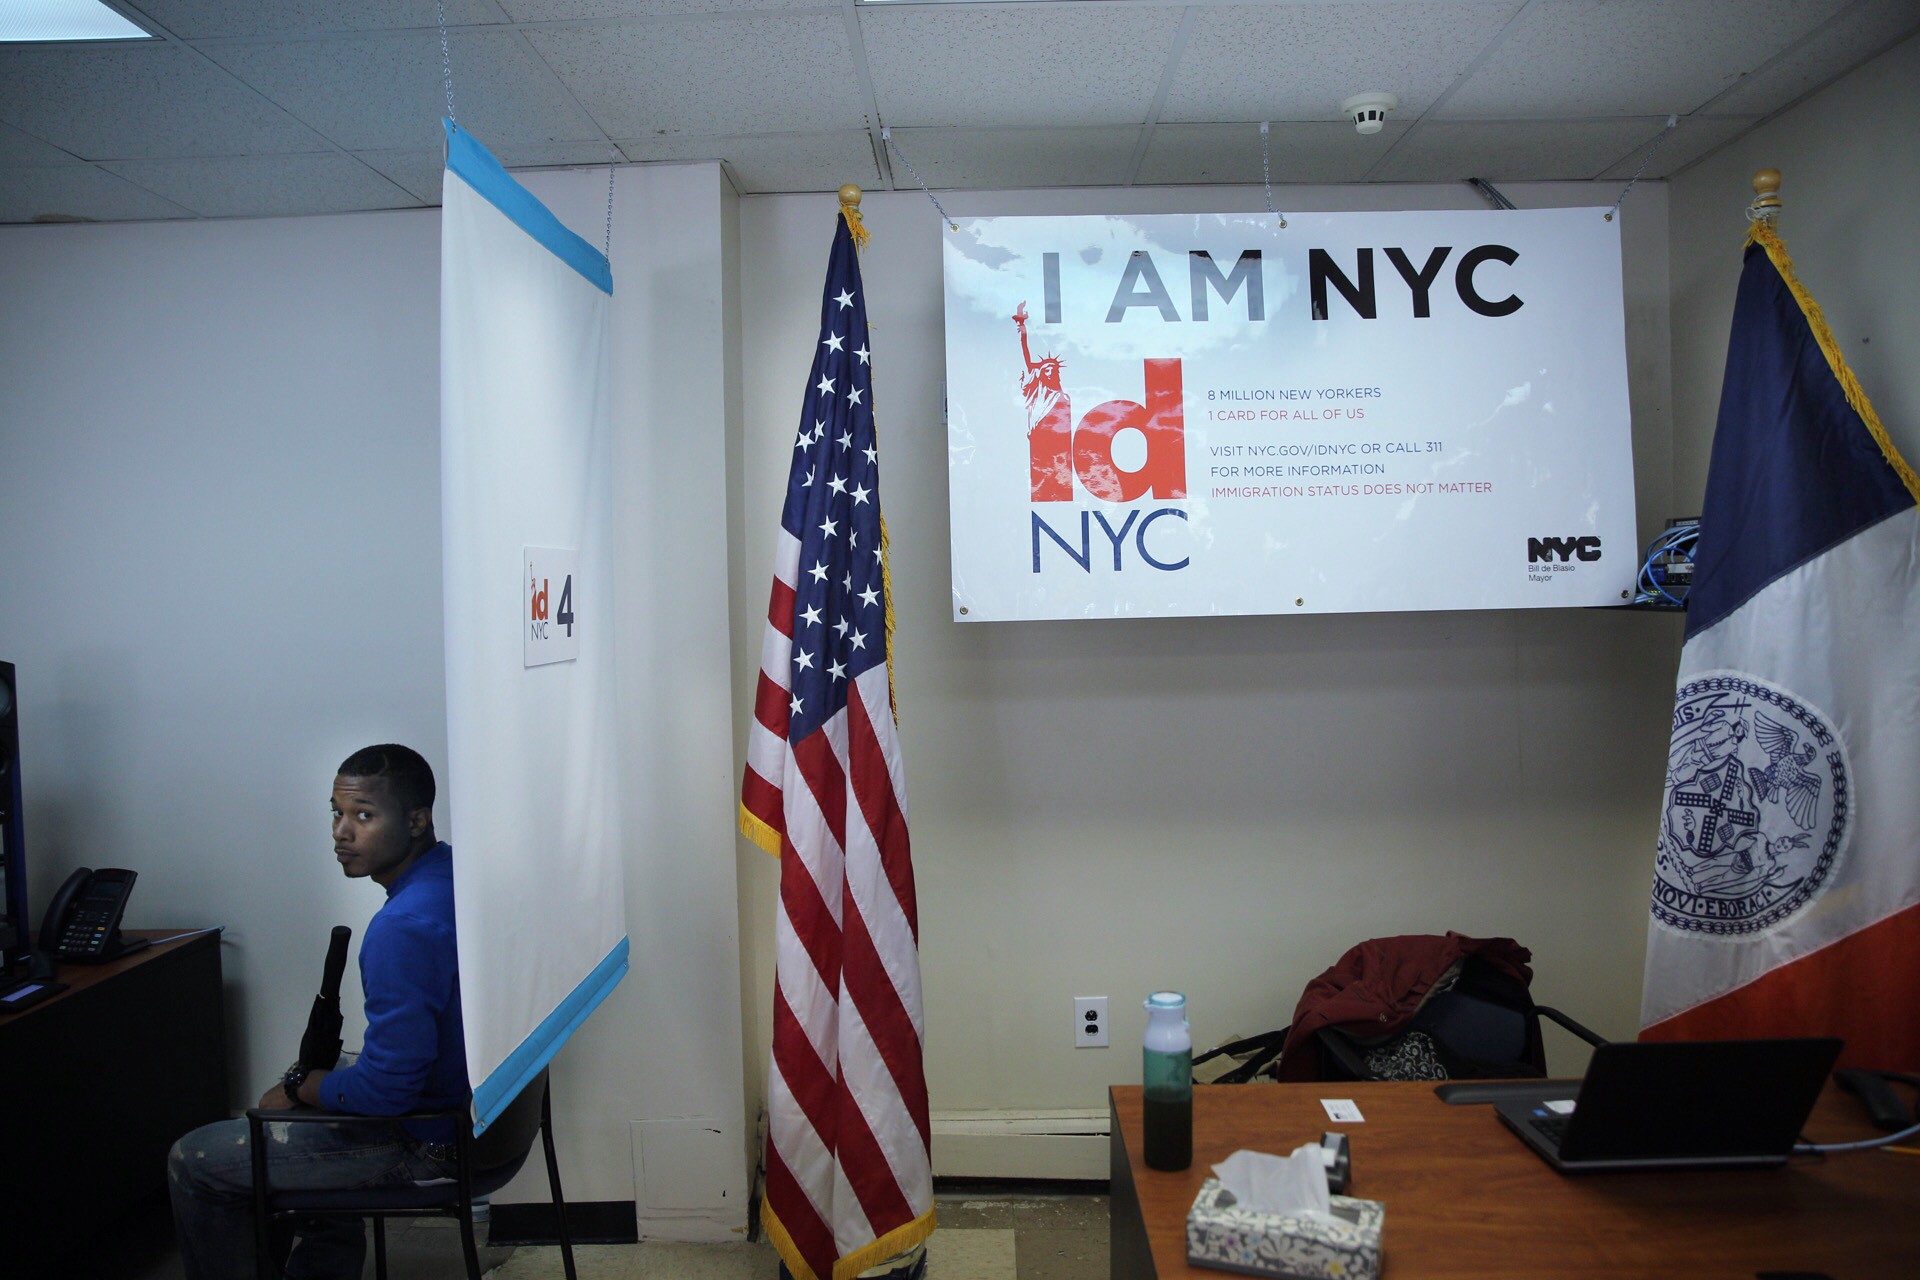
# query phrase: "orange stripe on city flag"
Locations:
[[1839, 990]]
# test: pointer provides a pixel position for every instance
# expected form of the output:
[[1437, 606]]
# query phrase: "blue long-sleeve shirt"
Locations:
[[414, 1057]]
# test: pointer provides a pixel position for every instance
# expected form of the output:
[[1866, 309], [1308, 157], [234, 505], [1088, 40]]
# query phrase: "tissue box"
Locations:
[[1223, 1235]]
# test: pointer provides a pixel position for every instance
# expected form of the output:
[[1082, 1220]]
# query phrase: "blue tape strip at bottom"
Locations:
[[494, 1094]]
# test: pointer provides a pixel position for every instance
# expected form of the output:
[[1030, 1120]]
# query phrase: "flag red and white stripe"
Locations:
[[848, 1170]]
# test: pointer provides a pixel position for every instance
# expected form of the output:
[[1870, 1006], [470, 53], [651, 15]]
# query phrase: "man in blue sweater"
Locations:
[[413, 1057]]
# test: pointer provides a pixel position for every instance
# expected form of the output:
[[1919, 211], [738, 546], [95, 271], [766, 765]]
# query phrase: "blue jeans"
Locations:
[[210, 1177]]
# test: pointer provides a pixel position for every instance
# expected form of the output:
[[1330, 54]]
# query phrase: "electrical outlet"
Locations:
[[1090, 1022]]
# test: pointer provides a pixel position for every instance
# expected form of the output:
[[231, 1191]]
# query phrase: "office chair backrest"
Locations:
[[511, 1135]]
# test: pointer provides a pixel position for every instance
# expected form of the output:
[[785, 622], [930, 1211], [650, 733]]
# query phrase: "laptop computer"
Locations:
[[1711, 1104]]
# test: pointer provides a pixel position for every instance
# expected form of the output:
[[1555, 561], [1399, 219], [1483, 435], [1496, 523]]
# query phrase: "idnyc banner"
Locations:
[[1179, 414]]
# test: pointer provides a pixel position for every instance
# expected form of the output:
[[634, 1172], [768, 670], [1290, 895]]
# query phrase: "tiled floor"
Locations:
[[1033, 1231]]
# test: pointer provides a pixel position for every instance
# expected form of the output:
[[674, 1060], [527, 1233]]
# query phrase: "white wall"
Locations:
[[220, 545], [220, 552], [1850, 162], [1216, 805]]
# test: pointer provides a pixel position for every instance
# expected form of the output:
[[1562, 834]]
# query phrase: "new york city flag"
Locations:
[[1786, 892]]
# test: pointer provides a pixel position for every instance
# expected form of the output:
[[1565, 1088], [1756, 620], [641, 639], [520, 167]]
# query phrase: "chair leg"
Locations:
[[553, 1183], [467, 1244], [379, 1247]]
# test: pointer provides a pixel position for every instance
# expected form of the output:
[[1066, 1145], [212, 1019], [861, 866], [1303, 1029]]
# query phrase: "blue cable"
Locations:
[[1677, 541]]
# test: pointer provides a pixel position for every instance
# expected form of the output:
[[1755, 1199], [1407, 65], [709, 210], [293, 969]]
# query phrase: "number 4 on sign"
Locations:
[[553, 626]]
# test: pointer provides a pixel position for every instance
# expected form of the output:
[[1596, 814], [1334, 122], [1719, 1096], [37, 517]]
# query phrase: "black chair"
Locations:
[[483, 1165], [1484, 1026]]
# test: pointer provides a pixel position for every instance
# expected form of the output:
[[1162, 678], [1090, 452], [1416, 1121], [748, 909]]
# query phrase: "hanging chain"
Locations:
[[886, 136], [446, 61], [1645, 160], [1266, 173], [607, 252]]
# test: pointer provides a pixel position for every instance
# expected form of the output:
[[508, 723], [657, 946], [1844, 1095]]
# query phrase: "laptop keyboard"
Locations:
[[1553, 1128]]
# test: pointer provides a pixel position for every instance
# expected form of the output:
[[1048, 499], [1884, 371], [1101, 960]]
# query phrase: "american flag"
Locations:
[[848, 1179]]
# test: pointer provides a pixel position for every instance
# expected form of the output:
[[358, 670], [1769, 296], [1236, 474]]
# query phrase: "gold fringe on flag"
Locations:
[[1763, 234]]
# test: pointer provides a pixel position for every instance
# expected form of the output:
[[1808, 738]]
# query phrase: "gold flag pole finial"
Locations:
[[1766, 196], [850, 209]]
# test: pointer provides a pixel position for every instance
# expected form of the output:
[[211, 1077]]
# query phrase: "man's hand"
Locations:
[[310, 1088], [276, 1099]]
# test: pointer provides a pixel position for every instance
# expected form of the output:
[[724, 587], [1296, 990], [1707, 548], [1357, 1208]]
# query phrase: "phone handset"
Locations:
[[82, 923]]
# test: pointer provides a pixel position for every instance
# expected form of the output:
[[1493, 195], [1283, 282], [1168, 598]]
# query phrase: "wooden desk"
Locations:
[[1465, 1199], [97, 1082]]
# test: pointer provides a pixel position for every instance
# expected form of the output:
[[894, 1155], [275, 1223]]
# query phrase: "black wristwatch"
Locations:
[[290, 1083]]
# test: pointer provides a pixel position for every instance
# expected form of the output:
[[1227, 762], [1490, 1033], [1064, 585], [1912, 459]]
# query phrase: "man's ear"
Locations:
[[419, 822]]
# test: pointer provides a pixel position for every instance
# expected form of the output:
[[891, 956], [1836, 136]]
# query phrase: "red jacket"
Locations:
[[1377, 987]]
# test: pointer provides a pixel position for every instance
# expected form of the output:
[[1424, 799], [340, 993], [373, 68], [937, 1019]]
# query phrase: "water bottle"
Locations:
[[1167, 1071]]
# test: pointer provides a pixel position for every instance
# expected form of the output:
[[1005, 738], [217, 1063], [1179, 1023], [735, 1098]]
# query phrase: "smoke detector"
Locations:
[[1368, 111]]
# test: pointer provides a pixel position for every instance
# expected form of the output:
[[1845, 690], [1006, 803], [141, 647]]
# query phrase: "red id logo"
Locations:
[[1058, 451]]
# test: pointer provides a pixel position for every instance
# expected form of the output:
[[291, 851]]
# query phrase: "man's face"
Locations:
[[372, 834]]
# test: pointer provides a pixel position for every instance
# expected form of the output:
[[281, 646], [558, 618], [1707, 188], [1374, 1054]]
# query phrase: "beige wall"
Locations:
[[1849, 157], [1221, 806]]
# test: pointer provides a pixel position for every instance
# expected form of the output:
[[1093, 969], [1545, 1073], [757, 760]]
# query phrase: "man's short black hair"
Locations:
[[407, 773]]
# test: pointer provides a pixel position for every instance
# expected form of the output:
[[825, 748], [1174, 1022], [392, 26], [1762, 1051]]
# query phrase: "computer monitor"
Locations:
[[16, 930]]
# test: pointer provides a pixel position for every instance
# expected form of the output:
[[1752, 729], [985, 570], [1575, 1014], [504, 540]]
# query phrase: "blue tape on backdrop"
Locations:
[[479, 170], [493, 1095]]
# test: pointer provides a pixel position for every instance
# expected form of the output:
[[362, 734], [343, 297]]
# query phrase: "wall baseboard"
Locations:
[[1020, 1144], [588, 1222]]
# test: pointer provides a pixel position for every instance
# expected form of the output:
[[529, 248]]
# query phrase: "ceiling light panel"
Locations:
[[44, 21]]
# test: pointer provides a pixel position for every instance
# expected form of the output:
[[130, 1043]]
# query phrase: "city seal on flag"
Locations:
[[1756, 807]]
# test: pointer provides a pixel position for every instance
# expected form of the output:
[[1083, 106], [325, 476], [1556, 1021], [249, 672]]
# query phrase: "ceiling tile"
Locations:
[[384, 92], [774, 162], [418, 169], [23, 148], [1514, 150], [1306, 151], [718, 76], [1856, 36], [565, 10], [1018, 64], [140, 100], [992, 158], [1299, 62], [64, 192], [1694, 137], [204, 19], [266, 186], [1602, 57]]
